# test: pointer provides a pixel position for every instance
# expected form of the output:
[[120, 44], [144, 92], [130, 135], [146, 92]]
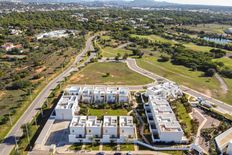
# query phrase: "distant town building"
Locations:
[[55, 34], [10, 46]]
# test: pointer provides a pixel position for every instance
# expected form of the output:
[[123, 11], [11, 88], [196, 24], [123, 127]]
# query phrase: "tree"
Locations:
[[117, 56], [218, 53], [125, 56], [21, 84], [210, 72], [164, 58]]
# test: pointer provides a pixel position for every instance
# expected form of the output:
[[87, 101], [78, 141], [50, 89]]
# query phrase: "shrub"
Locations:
[[21, 84]]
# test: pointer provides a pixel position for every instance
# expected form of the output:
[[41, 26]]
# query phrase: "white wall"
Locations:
[[112, 131]]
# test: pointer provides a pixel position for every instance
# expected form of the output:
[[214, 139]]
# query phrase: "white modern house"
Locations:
[[87, 94], [162, 121], [77, 129], [123, 95], [67, 107], [224, 142], [100, 95], [112, 95], [126, 129], [86, 129], [74, 90], [165, 90], [110, 129], [93, 128]]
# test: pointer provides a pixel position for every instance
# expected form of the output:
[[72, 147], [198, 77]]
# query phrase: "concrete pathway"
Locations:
[[223, 84]]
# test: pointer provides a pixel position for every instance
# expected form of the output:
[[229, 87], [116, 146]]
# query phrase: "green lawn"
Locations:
[[227, 61], [112, 52], [154, 38], [75, 147], [184, 76], [108, 112], [175, 152], [110, 147], [119, 74], [184, 117], [197, 48], [228, 97], [105, 37], [127, 147], [190, 46], [91, 147], [210, 28]]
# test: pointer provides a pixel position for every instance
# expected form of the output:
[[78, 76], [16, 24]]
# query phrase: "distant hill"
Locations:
[[129, 3]]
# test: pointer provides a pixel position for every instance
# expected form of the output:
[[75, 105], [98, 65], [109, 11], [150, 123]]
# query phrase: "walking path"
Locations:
[[223, 85]]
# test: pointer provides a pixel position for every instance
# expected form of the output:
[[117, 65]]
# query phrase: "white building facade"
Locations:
[[110, 129], [83, 129], [165, 90], [87, 95], [99, 95], [67, 107], [162, 121], [126, 129]]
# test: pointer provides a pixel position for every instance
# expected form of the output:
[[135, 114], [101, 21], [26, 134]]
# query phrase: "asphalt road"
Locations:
[[221, 106], [9, 142]]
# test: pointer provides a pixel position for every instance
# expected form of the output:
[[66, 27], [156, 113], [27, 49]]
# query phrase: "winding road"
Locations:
[[220, 106], [10, 139]]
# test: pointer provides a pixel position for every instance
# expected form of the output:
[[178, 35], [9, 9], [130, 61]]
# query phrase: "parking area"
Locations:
[[58, 134]]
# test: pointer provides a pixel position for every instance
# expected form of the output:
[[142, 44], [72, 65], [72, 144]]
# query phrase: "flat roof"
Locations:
[[163, 115], [93, 122], [224, 138], [110, 121], [100, 90], [112, 90], [67, 102], [78, 121], [126, 121]]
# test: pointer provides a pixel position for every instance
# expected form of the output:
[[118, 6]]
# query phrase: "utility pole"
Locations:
[[16, 145]]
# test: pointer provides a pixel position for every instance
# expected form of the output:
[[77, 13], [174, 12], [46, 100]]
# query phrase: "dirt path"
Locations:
[[223, 85], [123, 45]]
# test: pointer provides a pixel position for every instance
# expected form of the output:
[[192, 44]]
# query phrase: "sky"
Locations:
[[204, 2]]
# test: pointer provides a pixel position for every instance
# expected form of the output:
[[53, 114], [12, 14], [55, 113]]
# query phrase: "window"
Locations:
[[122, 131], [89, 131]]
